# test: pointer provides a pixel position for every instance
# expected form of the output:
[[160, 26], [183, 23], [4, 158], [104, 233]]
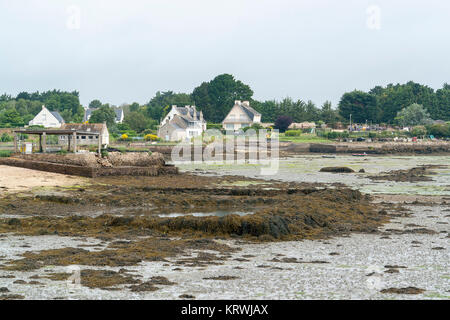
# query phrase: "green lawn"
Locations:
[[305, 138]]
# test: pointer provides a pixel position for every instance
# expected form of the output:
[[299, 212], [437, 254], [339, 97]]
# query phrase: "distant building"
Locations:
[[241, 116], [302, 125], [86, 139], [47, 118], [119, 114], [182, 123]]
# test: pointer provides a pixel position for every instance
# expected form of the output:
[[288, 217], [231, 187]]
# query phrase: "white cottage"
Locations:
[[182, 123], [48, 119], [241, 116]]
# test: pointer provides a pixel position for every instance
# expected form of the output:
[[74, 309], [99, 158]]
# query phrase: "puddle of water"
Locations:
[[204, 214]]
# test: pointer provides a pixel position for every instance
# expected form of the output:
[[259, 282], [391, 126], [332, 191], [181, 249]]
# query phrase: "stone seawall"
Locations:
[[90, 172]]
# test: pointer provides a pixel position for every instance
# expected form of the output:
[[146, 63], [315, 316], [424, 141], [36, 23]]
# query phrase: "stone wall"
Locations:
[[90, 172]]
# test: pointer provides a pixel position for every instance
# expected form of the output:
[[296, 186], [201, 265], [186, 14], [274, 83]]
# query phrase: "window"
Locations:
[[230, 126], [83, 137]]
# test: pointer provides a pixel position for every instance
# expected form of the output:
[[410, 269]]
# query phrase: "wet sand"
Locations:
[[13, 179]]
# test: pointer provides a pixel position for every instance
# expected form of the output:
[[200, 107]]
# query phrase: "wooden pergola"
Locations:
[[59, 132]]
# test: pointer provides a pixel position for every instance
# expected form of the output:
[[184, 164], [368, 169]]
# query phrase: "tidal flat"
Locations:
[[311, 234]]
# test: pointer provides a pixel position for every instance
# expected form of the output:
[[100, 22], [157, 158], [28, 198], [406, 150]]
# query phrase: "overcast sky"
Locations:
[[125, 51]]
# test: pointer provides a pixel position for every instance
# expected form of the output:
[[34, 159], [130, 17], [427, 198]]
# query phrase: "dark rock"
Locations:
[[337, 169]]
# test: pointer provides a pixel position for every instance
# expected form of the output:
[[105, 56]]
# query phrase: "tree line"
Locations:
[[216, 98]]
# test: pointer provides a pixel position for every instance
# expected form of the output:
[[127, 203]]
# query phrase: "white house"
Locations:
[[241, 116], [119, 115], [47, 118], [182, 123]]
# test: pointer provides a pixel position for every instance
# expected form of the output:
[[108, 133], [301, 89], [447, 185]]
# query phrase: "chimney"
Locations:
[[194, 110], [238, 102], [201, 115], [246, 104]]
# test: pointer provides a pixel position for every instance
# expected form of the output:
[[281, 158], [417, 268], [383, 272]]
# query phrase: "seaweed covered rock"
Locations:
[[136, 159], [337, 169]]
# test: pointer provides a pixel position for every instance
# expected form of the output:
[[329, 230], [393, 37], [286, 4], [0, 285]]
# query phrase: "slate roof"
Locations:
[[57, 116], [119, 114], [184, 112]]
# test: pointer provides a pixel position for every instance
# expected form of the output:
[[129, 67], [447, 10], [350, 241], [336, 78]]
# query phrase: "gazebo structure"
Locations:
[[43, 133]]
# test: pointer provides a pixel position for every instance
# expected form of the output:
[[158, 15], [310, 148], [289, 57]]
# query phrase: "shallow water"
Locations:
[[305, 168], [204, 214]]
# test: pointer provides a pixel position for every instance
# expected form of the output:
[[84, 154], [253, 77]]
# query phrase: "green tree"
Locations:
[[104, 114], [11, 118], [95, 104], [137, 121], [361, 105], [328, 114], [413, 115], [161, 103], [393, 98], [216, 98], [441, 108]]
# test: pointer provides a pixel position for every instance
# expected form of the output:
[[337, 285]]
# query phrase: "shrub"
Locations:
[[124, 137], [439, 130], [255, 126], [151, 137], [282, 123], [104, 153], [6, 137], [5, 153], [293, 133], [418, 131], [213, 126], [336, 135]]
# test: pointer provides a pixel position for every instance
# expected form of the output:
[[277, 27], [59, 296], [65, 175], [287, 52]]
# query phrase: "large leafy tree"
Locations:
[[138, 121], [104, 114], [360, 105], [413, 115], [11, 117], [393, 98], [216, 98], [441, 108], [95, 104]]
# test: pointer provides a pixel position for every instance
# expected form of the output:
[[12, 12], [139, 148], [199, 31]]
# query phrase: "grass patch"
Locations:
[[5, 153], [305, 138]]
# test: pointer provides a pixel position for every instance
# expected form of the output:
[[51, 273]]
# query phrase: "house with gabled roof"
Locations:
[[182, 123], [241, 116], [47, 118], [98, 130]]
